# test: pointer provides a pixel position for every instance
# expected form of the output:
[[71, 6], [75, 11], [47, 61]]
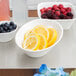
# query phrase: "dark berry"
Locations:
[[67, 17], [62, 16], [14, 26], [49, 14], [6, 24], [70, 14], [11, 23], [10, 28], [5, 28], [1, 25], [1, 29], [54, 16], [44, 16]]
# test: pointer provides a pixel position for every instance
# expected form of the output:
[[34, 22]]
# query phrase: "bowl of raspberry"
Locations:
[[63, 12]]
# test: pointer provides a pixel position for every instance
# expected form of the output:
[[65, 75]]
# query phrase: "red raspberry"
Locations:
[[53, 11], [49, 8], [68, 9], [54, 7], [43, 10], [65, 13], [61, 6], [57, 13], [62, 10], [57, 9]]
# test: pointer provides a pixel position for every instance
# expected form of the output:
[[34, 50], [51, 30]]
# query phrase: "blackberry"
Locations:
[[44, 16], [70, 14], [49, 14], [68, 17], [62, 16], [54, 16]]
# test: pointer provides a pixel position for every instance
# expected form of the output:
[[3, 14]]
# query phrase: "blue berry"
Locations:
[[10, 28], [1, 29], [14, 26], [11, 23]]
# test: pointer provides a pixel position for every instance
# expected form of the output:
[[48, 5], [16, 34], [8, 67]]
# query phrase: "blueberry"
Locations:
[[6, 24], [14, 26], [1, 30], [2, 25], [10, 28], [11, 23], [5, 28]]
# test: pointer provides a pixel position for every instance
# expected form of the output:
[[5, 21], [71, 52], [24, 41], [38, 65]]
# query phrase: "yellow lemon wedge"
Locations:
[[31, 42], [27, 34], [52, 37], [40, 29], [43, 42]]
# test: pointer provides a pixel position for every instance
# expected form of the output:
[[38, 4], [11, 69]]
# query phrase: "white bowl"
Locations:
[[5, 37], [65, 23], [30, 25]]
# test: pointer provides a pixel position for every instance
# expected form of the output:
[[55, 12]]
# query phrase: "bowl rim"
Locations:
[[28, 50], [11, 31], [56, 3]]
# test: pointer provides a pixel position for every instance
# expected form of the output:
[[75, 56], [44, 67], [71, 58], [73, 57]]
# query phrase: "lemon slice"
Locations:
[[27, 34], [52, 37], [31, 42], [43, 42], [41, 30]]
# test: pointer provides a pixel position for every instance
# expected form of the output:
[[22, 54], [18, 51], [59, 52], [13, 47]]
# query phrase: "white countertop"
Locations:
[[64, 54]]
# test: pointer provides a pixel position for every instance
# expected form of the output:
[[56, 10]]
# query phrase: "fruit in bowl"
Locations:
[[63, 12], [7, 27], [25, 37], [40, 37], [7, 31], [56, 12]]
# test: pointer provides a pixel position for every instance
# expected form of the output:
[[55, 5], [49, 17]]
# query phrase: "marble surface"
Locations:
[[64, 54]]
